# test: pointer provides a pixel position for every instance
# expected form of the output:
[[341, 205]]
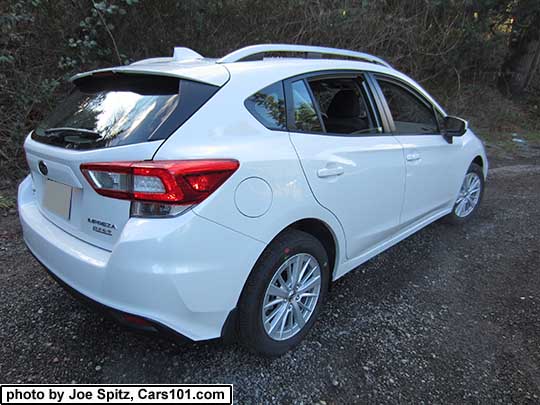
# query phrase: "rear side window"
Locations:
[[305, 115], [343, 106], [411, 115], [268, 106], [113, 109]]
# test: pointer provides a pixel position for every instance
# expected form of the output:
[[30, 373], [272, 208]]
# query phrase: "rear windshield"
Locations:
[[113, 109]]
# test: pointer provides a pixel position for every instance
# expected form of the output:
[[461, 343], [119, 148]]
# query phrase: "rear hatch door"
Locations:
[[109, 118], [66, 198]]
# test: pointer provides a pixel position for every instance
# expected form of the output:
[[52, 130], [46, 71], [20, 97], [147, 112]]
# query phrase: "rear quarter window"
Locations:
[[268, 106]]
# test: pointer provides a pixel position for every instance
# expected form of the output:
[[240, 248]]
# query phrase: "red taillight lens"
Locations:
[[180, 182]]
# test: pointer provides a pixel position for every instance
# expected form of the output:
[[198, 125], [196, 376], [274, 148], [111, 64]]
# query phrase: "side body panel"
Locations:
[[223, 128], [268, 155]]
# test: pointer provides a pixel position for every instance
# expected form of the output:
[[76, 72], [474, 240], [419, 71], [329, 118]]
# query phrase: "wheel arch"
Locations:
[[323, 233], [319, 229], [479, 161]]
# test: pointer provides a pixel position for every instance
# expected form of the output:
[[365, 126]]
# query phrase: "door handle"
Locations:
[[330, 171], [412, 157]]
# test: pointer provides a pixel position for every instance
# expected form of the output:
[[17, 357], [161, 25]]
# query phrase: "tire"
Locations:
[[458, 214], [255, 329]]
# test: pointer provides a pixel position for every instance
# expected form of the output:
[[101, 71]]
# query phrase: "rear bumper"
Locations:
[[119, 316], [182, 274]]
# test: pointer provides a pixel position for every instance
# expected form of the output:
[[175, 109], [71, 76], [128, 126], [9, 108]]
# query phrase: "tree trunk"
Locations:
[[523, 58], [534, 66]]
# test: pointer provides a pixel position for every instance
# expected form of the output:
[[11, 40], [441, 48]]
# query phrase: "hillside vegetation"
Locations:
[[478, 57]]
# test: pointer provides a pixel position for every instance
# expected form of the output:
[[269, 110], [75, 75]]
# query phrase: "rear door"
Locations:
[[432, 164], [353, 165], [108, 118]]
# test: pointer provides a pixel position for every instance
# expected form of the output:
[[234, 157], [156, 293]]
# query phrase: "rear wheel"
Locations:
[[470, 196], [284, 294]]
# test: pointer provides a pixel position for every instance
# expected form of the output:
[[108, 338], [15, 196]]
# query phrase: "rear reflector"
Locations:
[[148, 209], [179, 182], [136, 321]]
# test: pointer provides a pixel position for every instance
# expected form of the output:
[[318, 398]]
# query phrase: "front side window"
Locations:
[[268, 106], [411, 115], [305, 114]]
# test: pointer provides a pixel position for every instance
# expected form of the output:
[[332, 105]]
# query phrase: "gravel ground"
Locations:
[[452, 314]]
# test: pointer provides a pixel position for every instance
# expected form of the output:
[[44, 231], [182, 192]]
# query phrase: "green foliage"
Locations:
[[44, 42], [6, 202]]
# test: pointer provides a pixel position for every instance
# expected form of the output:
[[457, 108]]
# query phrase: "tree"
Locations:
[[522, 17]]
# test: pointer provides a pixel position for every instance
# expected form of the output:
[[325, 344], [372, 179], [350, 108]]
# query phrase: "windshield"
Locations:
[[118, 110]]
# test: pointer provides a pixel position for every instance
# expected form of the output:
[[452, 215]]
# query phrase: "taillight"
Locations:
[[159, 185]]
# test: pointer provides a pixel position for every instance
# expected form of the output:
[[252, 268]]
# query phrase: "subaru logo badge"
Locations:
[[43, 168]]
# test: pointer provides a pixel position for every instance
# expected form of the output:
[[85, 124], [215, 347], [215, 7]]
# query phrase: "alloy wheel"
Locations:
[[469, 195], [291, 296]]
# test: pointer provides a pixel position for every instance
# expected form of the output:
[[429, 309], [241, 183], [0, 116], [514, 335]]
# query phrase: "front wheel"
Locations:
[[470, 196], [283, 294]]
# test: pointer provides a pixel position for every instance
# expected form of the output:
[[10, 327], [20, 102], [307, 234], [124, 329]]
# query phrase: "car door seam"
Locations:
[[229, 228], [313, 193], [404, 153]]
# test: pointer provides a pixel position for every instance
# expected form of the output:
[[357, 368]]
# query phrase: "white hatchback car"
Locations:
[[220, 198]]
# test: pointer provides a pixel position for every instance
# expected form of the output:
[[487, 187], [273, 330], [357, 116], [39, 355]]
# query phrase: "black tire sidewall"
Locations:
[[251, 328], [473, 168]]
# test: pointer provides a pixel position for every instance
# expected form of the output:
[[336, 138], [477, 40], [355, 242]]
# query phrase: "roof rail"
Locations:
[[255, 52]]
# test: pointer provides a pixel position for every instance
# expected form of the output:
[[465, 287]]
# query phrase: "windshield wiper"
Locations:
[[81, 131]]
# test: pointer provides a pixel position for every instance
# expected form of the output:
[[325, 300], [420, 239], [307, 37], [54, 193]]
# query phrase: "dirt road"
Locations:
[[450, 315]]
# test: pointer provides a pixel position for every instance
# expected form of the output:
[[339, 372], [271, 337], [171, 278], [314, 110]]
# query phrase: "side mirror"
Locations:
[[454, 126]]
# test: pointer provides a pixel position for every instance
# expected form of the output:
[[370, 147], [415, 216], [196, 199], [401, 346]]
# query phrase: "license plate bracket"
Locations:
[[57, 198]]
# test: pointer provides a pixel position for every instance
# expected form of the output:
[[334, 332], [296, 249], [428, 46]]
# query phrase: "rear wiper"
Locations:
[[81, 131]]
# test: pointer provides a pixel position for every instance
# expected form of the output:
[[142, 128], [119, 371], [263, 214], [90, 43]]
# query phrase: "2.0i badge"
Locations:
[[102, 226]]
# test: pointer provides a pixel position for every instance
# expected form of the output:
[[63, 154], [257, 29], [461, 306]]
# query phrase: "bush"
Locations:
[[44, 42]]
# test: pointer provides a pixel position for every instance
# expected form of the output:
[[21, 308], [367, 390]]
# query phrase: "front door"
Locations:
[[432, 164]]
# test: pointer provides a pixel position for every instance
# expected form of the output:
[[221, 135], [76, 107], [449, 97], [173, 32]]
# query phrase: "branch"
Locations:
[[108, 32]]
